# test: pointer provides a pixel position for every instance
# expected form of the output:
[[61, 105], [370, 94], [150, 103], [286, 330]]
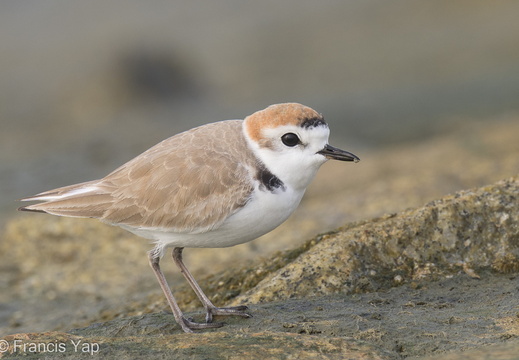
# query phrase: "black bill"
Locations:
[[337, 154]]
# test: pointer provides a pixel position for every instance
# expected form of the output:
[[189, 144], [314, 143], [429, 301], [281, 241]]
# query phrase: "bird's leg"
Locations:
[[208, 305], [186, 325]]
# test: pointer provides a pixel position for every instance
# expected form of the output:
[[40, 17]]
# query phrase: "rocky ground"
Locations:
[[403, 271], [458, 318]]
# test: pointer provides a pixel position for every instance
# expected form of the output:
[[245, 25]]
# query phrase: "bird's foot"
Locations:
[[188, 325], [226, 311]]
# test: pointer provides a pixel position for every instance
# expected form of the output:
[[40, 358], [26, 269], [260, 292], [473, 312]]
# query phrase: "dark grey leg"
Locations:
[[208, 305], [186, 325]]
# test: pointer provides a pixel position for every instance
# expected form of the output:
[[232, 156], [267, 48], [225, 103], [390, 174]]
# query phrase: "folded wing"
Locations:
[[190, 182]]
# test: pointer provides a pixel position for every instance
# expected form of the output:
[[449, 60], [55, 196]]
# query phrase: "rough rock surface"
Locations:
[[470, 230], [364, 291]]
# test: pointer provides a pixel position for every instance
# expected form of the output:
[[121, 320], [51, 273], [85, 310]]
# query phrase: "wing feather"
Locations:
[[190, 182]]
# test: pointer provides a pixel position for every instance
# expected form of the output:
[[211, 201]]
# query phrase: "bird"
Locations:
[[216, 185]]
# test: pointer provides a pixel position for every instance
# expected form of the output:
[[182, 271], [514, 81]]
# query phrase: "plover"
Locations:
[[216, 185]]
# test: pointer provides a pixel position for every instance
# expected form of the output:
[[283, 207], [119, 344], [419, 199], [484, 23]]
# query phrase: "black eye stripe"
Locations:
[[290, 139], [313, 122]]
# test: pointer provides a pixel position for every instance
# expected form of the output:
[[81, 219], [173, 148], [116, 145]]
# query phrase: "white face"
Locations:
[[290, 152]]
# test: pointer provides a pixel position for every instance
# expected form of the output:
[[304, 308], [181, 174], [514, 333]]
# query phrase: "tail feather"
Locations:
[[61, 192], [28, 208], [80, 200]]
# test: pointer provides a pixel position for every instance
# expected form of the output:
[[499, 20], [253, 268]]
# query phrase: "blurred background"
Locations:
[[425, 93], [87, 85]]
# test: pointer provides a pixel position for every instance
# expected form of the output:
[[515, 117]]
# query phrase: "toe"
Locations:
[[229, 311], [189, 325]]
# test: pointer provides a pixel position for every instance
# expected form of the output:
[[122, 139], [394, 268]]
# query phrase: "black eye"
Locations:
[[290, 139]]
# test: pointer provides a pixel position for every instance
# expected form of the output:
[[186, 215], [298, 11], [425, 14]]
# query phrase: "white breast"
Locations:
[[264, 212]]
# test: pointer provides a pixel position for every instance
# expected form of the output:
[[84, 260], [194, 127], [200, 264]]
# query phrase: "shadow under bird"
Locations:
[[217, 185]]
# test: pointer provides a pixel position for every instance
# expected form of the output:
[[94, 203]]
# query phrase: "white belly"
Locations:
[[263, 213]]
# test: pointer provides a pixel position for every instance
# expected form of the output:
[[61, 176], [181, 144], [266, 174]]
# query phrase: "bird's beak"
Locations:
[[331, 152]]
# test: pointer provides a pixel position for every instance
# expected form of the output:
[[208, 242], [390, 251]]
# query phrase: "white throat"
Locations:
[[295, 167]]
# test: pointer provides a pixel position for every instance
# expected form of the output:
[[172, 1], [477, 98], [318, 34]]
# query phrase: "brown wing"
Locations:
[[190, 182]]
